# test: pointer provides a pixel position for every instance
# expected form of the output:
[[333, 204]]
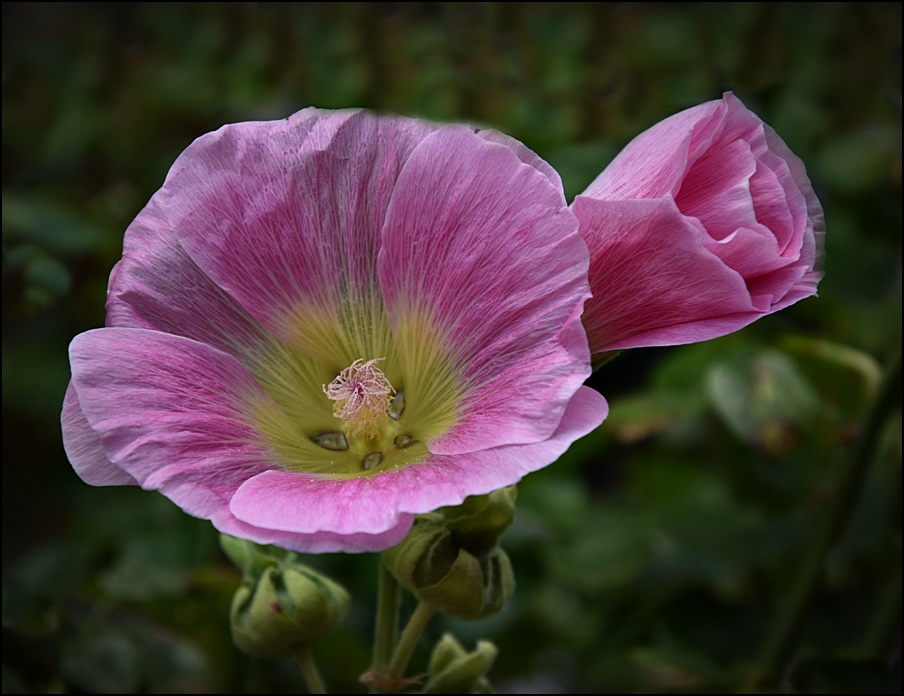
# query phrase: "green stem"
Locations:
[[309, 671], [781, 643], [881, 630], [410, 635], [387, 622]]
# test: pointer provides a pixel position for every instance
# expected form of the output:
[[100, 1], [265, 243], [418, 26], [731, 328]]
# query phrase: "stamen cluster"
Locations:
[[362, 395]]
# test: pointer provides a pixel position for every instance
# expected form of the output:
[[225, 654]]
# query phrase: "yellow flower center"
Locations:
[[374, 414]]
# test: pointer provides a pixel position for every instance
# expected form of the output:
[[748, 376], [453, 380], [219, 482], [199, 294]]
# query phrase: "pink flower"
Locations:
[[701, 225], [323, 326]]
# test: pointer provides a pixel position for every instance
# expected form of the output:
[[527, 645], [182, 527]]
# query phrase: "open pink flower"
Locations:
[[323, 326], [701, 225]]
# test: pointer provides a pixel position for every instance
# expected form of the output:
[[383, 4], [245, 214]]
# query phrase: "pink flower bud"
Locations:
[[701, 225]]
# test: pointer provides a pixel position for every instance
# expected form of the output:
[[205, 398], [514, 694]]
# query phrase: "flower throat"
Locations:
[[369, 408]]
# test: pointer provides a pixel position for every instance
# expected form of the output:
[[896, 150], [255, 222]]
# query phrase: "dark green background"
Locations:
[[654, 556]]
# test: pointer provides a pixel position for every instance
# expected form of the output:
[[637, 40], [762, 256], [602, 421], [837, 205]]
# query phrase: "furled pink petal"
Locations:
[[716, 190], [655, 162], [808, 219], [84, 448], [770, 290], [654, 282], [751, 253], [778, 207], [484, 246], [313, 505]]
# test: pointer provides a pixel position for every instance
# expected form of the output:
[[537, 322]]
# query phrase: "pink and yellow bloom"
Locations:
[[323, 326], [701, 225]]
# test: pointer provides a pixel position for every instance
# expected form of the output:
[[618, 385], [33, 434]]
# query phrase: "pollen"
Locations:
[[362, 396]]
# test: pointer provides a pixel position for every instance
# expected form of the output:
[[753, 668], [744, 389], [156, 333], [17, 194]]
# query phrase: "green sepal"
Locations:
[[451, 558], [252, 558], [600, 359], [480, 520]]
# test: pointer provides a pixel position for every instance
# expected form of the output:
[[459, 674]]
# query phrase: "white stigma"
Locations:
[[362, 395]]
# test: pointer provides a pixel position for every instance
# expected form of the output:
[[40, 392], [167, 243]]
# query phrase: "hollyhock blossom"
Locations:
[[325, 325], [701, 225]]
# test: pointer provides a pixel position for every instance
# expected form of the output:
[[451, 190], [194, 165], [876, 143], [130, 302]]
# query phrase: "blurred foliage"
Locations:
[[653, 557]]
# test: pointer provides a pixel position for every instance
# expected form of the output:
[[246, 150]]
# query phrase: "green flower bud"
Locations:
[[453, 670], [252, 558], [282, 605], [479, 522], [451, 559]]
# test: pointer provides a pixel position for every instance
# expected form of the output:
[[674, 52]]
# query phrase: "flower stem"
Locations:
[[780, 644], [881, 629], [309, 671], [410, 635], [387, 619]]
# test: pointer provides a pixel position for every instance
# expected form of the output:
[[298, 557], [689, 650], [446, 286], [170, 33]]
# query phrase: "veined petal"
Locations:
[[322, 505], [156, 285], [202, 494], [717, 190], [653, 282], [286, 217], [653, 165], [480, 251], [84, 449], [318, 542], [808, 218], [750, 252], [523, 153], [164, 405], [777, 206]]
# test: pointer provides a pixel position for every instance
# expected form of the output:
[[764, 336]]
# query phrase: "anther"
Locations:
[[331, 441], [402, 441], [398, 405], [372, 460]]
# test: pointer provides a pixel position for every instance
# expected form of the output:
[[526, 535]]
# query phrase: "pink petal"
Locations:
[[803, 208], [313, 505], [286, 216], [171, 412], [156, 285], [191, 466], [655, 162], [769, 290], [777, 202], [524, 153], [318, 542], [84, 448], [717, 190], [483, 246], [752, 253], [653, 281], [807, 218]]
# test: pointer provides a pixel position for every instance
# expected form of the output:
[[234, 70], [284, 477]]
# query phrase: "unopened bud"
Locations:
[[451, 559], [453, 670], [282, 605]]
